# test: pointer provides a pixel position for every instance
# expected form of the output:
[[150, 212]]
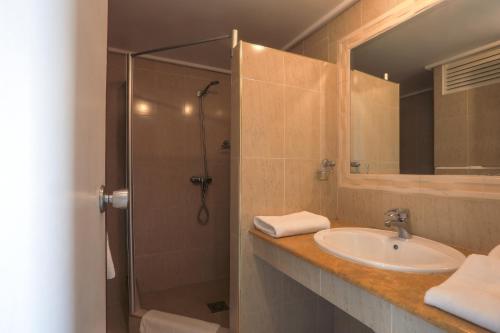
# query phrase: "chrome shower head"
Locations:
[[203, 92]]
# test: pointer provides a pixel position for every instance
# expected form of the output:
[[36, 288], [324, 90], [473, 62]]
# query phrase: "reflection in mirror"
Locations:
[[425, 96]]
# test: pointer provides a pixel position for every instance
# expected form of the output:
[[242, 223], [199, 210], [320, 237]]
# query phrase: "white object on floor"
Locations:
[[162, 322], [495, 252], [291, 224], [472, 292], [110, 266]]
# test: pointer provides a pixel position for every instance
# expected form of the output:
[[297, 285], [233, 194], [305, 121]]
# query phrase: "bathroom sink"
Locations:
[[383, 249]]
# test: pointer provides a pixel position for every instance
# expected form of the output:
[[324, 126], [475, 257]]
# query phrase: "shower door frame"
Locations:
[[129, 177]]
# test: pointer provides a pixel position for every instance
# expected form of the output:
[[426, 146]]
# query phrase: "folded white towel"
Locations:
[[291, 224], [110, 266], [472, 292], [495, 252], [162, 322]]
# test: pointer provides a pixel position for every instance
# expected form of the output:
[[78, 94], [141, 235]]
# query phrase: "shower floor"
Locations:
[[191, 301]]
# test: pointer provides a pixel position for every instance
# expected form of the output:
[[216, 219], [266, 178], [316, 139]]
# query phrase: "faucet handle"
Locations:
[[399, 218], [397, 215], [404, 214], [400, 211], [392, 212]]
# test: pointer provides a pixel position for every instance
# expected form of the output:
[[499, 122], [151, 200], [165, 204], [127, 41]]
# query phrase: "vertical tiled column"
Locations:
[[284, 124]]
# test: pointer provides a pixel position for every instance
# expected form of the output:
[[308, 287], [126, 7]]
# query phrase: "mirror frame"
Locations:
[[445, 185]]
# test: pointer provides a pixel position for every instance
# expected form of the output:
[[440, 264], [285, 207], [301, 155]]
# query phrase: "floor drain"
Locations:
[[218, 306]]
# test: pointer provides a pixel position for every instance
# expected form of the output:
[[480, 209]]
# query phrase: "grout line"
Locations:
[[280, 84]]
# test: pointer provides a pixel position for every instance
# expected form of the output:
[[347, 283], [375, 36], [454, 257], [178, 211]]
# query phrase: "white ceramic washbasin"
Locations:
[[383, 249]]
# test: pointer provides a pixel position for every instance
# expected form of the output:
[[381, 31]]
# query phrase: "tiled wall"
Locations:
[[374, 124], [323, 43], [166, 146], [417, 134], [467, 128], [285, 127], [167, 150], [472, 223]]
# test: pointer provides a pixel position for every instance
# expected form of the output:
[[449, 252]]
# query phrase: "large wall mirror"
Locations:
[[425, 95]]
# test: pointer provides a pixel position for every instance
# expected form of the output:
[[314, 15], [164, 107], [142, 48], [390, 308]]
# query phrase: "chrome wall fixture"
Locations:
[[205, 180], [325, 168], [117, 199], [129, 182]]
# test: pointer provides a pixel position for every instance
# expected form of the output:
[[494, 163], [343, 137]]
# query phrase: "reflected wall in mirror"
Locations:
[[425, 95]]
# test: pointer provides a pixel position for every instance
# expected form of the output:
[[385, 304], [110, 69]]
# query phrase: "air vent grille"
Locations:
[[477, 70]]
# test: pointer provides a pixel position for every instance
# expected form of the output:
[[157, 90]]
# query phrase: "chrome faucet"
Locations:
[[399, 218]]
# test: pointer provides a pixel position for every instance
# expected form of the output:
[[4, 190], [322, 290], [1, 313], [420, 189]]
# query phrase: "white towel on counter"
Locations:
[[291, 224], [162, 322], [472, 292], [110, 266]]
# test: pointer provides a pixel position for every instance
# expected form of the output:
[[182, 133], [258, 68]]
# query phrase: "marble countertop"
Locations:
[[405, 290]]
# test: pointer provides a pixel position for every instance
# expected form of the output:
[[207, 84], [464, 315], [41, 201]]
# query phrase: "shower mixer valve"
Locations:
[[198, 180]]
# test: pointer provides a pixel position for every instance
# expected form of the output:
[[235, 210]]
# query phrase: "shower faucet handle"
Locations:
[[201, 180]]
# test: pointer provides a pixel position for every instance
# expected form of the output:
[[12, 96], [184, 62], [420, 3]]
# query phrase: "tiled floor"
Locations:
[[191, 300]]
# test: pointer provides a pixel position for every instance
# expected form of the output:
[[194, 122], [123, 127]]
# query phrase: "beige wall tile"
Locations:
[[265, 252], [302, 187], [262, 63], [450, 220], [302, 123], [371, 310], [451, 142], [318, 50], [154, 272], [166, 155], [259, 321], [374, 123], [403, 321], [345, 23], [316, 45], [261, 287], [318, 35], [234, 285], [328, 189], [300, 274], [333, 45], [262, 189], [287, 302], [302, 72], [474, 223], [262, 115], [483, 105], [372, 9]]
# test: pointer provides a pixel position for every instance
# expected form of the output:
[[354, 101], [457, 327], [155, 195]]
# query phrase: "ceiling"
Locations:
[[446, 30], [137, 25]]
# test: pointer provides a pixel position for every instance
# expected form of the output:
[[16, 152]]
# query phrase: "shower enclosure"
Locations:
[[178, 180]]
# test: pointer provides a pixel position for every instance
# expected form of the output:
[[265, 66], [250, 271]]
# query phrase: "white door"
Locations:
[[52, 114]]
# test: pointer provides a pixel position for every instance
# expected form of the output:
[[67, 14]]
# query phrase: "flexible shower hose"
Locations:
[[203, 213]]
